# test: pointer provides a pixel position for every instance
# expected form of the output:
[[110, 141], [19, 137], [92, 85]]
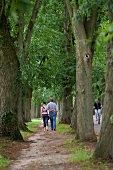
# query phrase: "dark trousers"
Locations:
[[45, 119]]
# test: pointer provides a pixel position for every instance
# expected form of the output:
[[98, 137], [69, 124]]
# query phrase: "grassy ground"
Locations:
[[81, 152]]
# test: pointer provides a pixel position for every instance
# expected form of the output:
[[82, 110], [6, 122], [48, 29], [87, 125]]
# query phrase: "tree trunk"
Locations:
[[104, 147], [74, 118], [67, 106], [83, 31], [35, 110], [21, 119], [27, 105], [84, 104], [9, 83], [19, 52], [59, 109], [38, 110]]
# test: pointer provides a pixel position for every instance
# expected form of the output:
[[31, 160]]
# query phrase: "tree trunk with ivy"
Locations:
[[9, 82], [83, 32], [104, 147]]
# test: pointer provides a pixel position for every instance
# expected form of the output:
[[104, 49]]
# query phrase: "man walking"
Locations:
[[97, 107], [53, 109]]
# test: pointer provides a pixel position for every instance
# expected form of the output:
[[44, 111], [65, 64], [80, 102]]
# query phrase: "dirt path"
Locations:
[[46, 152]]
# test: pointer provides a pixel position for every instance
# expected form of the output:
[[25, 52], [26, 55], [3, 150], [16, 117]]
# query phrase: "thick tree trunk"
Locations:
[[83, 32], [84, 105], [9, 83], [104, 147], [67, 106]]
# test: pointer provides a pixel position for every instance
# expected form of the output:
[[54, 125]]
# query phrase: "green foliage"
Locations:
[[99, 61], [48, 63], [43, 94], [45, 49], [86, 8], [107, 33], [3, 161], [111, 119], [33, 124]]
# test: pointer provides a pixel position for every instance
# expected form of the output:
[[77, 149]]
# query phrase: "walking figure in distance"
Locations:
[[44, 115], [97, 107], [52, 108]]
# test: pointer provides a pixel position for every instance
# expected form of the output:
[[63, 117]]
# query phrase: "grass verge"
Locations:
[[81, 152], [3, 161]]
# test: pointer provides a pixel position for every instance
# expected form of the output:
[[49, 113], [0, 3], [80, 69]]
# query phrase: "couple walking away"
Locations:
[[51, 110]]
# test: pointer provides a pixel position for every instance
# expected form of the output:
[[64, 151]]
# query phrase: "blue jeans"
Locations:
[[52, 120], [98, 114], [45, 119]]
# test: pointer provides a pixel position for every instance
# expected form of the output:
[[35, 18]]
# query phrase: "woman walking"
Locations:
[[44, 115]]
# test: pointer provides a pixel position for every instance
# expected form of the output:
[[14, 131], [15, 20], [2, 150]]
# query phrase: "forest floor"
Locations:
[[45, 151]]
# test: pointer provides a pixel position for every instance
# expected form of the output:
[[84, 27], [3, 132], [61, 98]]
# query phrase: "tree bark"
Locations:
[[84, 105], [74, 118], [9, 83], [27, 105], [104, 147], [38, 110], [67, 106], [59, 109], [19, 52]]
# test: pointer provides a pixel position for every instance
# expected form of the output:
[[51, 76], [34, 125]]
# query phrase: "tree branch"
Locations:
[[30, 27], [90, 25], [70, 10]]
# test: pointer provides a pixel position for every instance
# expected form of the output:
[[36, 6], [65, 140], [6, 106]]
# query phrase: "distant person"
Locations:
[[97, 107], [44, 115], [52, 108]]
